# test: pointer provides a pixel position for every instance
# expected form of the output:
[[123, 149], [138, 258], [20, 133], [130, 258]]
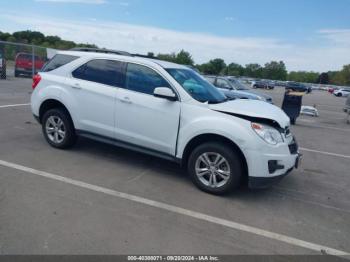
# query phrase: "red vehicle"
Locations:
[[24, 64]]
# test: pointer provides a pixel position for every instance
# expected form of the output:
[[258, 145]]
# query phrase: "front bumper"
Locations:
[[266, 167], [265, 182]]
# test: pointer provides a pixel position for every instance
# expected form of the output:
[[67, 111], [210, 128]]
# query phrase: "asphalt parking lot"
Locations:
[[98, 199]]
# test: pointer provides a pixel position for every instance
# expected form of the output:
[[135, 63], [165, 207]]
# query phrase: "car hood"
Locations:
[[253, 109]]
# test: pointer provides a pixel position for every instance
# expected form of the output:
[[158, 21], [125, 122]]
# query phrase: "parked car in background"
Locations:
[[233, 89], [297, 87], [342, 92], [263, 84], [309, 110], [24, 64], [309, 88], [279, 83]]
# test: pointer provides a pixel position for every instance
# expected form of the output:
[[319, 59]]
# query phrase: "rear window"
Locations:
[[58, 61], [107, 72]]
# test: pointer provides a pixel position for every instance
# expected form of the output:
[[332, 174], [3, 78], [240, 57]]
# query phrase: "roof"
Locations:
[[126, 58]]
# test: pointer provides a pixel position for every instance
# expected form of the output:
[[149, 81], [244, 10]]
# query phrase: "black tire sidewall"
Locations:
[[233, 160], [70, 137]]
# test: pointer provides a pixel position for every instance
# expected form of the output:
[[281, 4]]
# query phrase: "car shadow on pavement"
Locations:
[[129, 157], [158, 166]]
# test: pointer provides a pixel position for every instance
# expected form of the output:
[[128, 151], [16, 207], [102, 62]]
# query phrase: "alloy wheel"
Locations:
[[55, 129], [212, 169]]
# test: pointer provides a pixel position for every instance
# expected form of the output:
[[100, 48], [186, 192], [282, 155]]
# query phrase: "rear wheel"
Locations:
[[16, 73], [215, 168], [58, 128]]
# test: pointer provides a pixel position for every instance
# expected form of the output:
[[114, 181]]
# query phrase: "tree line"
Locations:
[[274, 70], [34, 38]]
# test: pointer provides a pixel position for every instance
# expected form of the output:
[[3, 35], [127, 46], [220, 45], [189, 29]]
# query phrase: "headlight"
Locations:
[[269, 134]]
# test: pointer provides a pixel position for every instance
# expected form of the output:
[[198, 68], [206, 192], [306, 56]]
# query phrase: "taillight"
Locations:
[[36, 80]]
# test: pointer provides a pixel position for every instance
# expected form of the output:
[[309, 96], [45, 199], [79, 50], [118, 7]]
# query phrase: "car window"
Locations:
[[58, 61], [143, 79], [222, 83], [107, 72], [238, 85]]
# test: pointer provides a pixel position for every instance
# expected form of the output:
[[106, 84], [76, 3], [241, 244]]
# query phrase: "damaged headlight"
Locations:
[[269, 134]]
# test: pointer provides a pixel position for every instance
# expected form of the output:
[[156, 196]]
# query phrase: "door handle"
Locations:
[[125, 100], [76, 86]]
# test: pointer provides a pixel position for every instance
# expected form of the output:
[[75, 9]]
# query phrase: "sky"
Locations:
[[312, 35]]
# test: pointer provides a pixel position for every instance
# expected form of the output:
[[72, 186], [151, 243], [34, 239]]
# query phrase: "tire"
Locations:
[[16, 73], [230, 168], [62, 134]]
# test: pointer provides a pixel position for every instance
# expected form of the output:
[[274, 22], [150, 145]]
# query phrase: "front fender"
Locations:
[[211, 122]]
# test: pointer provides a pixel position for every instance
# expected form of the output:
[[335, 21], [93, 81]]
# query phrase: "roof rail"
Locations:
[[145, 56], [100, 50]]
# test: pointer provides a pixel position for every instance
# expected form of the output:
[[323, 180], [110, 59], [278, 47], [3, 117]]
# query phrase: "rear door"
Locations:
[[93, 87], [143, 119]]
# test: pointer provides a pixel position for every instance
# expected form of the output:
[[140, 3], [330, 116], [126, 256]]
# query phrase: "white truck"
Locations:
[[166, 110]]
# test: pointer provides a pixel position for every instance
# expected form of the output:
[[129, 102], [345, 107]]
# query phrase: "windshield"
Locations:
[[238, 85], [196, 86]]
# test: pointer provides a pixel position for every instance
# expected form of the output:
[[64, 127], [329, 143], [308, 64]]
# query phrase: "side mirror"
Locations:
[[165, 92]]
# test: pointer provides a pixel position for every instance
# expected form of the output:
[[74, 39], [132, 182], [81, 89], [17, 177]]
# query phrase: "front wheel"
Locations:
[[215, 168], [58, 128]]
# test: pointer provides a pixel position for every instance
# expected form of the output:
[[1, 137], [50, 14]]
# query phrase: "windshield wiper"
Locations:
[[219, 102]]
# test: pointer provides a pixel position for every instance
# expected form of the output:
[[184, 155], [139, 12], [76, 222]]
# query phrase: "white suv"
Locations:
[[166, 110], [342, 92]]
